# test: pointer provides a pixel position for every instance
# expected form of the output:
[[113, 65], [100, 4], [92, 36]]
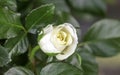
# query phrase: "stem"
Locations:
[[34, 67], [31, 57], [32, 53]]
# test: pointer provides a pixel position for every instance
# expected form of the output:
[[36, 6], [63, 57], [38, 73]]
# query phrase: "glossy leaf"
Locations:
[[60, 69], [9, 23], [97, 7], [17, 45], [4, 57], [89, 64], [39, 17], [18, 71], [103, 37]]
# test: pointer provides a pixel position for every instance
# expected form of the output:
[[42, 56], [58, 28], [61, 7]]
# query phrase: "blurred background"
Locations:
[[110, 65]]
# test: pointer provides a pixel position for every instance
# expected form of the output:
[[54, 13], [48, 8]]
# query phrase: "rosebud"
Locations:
[[60, 40]]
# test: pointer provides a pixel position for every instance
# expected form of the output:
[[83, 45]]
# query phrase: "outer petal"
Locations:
[[45, 42], [71, 48], [69, 51], [71, 30]]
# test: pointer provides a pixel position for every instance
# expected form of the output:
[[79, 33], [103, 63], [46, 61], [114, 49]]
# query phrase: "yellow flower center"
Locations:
[[61, 36], [64, 38]]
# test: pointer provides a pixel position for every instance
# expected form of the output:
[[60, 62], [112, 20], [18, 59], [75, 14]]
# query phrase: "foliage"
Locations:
[[22, 20]]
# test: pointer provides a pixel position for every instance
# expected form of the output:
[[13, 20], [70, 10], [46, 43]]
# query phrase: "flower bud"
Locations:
[[60, 40]]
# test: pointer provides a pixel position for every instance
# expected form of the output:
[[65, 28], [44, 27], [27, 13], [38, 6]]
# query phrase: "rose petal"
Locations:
[[71, 48], [68, 52], [71, 30], [45, 43]]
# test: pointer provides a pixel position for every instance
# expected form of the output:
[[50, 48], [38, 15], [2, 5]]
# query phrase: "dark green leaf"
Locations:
[[103, 38], [9, 23], [89, 64], [60, 69], [59, 4], [4, 57], [97, 7], [11, 4], [17, 45], [39, 17], [18, 71]]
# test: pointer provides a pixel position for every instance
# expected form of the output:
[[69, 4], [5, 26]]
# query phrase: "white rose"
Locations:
[[61, 40]]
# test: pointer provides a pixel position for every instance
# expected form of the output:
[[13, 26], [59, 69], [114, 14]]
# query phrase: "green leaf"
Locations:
[[10, 27], [59, 4], [60, 69], [9, 23], [103, 38], [75, 60], [11, 4], [17, 45], [4, 57], [89, 64], [39, 17], [97, 7], [18, 71]]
